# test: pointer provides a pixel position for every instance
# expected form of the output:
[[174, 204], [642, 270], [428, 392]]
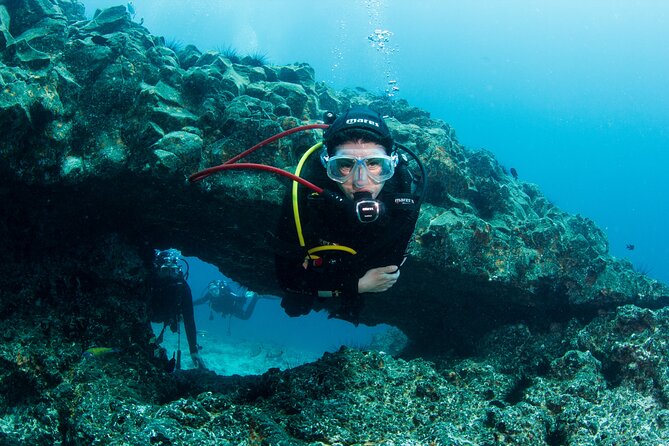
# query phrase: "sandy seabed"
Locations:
[[227, 355]]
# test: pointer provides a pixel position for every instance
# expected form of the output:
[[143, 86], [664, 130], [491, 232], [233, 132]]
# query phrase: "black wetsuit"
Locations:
[[228, 303], [333, 279], [169, 298]]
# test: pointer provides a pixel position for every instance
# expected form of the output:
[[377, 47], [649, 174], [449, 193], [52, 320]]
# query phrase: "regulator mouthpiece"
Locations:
[[367, 209]]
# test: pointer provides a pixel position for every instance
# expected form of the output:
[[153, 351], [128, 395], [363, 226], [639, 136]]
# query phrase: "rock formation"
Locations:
[[537, 333]]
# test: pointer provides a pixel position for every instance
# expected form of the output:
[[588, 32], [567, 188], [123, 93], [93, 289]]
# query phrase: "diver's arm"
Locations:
[[203, 300], [377, 280], [246, 314]]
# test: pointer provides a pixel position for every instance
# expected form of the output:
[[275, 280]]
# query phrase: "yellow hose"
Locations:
[[296, 212]]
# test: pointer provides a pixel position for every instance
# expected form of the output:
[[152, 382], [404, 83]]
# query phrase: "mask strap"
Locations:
[[324, 157]]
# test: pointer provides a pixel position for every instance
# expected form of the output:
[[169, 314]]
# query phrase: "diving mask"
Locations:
[[341, 168], [168, 262]]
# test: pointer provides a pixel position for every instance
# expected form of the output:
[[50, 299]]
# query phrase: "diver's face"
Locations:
[[360, 181]]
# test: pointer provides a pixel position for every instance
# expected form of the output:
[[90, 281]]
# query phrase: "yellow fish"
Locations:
[[95, 352]]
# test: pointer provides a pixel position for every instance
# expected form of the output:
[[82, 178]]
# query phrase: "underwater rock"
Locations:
[[21, 53], [14, 109], [86, 58], [5, 36], [176, 149], [301, 74], [292, 95], [72, 167], [163, 105], [326, 99], [31, 30], [208, 81], [109, 20], [189, 56], [482, 237]]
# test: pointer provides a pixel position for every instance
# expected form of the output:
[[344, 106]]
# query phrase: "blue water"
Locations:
[[573, 94], [314, 333]]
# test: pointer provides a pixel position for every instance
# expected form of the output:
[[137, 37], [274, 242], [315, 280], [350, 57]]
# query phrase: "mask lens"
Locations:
[[342, 167], [379, 168]]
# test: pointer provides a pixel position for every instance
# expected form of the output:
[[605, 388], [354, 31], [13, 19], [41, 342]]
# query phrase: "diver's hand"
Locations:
[[377, 280], [197, 361]]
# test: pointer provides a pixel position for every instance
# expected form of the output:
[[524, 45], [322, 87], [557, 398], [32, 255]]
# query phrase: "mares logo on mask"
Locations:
[[366, 208]]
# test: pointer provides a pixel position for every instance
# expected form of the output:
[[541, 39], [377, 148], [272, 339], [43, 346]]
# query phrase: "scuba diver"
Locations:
[[229, 299], [356, 242], [170, 299], [349, 216]]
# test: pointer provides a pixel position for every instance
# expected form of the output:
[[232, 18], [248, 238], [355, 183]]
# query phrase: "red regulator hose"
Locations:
[[274, 138], [229, 164], [239, 166]]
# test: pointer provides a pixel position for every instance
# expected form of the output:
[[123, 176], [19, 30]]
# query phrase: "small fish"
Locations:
[[95, 352], [131, 9], [514, 173], [630, 247]]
